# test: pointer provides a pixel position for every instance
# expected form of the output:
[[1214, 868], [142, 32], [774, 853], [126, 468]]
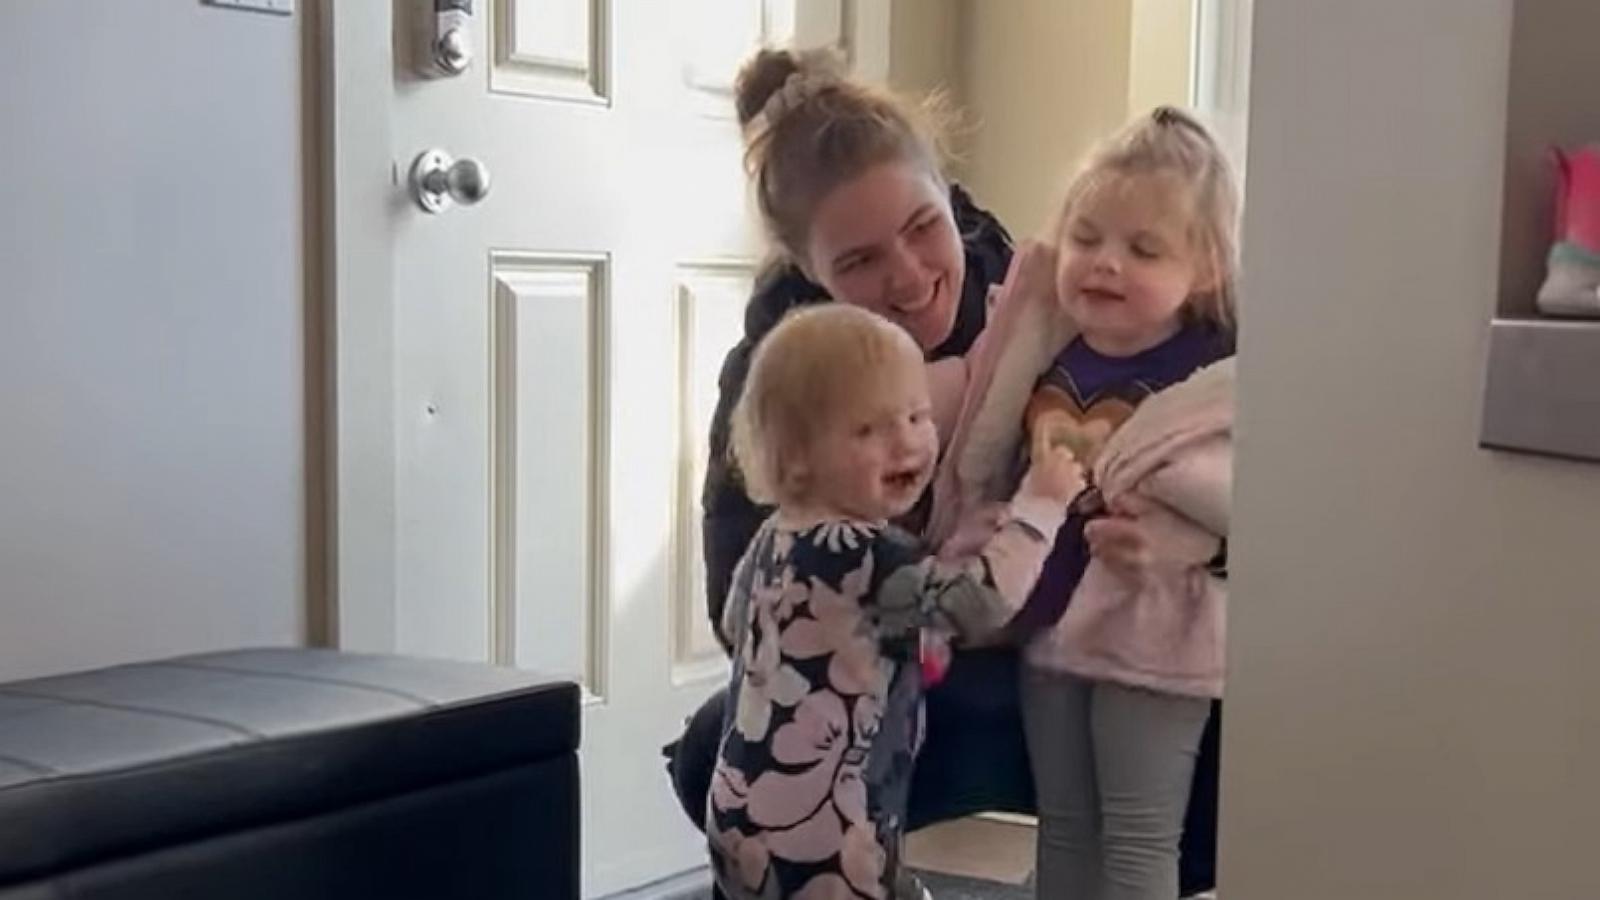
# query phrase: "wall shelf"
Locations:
[[1542, 387]]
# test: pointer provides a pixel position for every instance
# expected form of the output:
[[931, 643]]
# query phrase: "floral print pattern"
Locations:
[[824, 722]]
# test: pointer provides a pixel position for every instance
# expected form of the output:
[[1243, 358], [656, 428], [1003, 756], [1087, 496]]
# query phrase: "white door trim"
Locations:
[[361, 198], [866, 31], [1220, 81]]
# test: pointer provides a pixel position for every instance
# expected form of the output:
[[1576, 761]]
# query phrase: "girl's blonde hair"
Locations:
[[813, 367], [809, 127], [1171, 142]]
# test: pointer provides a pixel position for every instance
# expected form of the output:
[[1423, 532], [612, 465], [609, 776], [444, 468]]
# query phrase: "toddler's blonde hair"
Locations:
[[1170, 142], [815, 365]]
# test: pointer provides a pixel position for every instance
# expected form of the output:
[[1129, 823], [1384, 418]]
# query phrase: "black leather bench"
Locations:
[[289, 773]]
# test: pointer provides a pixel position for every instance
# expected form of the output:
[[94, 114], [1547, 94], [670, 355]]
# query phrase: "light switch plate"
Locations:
[[277, 7]]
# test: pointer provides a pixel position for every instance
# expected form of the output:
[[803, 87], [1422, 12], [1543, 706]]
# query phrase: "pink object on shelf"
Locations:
[[1572, 280]]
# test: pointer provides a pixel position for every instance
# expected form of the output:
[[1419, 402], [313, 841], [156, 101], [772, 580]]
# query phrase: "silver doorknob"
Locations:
[[439, 182]]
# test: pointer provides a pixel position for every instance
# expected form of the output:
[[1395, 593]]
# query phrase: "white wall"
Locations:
[[1415, 621], [151, 332]]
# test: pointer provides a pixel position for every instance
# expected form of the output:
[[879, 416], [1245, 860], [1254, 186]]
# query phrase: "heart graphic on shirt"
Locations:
[[1084, 437], [1052, 413]]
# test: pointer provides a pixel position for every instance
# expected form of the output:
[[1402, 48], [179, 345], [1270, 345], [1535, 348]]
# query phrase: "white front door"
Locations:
[[522, 487]]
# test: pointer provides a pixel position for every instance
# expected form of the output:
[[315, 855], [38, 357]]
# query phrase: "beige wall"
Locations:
[[1039, 81], [1161, 37], [1044, 79], [1412, 698], [925, 46]]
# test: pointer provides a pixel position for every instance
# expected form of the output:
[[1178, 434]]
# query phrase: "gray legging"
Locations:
[[1112, 766]]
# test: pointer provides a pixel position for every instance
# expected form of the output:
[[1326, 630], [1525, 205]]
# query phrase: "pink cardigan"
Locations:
[[1165, 632]]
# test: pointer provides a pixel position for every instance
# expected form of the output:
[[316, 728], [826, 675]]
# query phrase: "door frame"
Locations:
[[360, 194], [1219, 80]]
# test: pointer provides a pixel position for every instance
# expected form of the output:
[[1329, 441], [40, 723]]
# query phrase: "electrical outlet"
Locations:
[[276, 7]]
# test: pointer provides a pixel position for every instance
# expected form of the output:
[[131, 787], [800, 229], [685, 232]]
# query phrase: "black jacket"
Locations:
[[731, 519]]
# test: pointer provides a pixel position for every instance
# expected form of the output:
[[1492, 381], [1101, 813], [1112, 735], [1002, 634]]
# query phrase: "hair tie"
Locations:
[[797, 89], [1173, 117]]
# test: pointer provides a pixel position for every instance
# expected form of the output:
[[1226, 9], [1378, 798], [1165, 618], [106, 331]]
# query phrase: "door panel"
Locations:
[[711, 298], [548, 496], [557, 49]]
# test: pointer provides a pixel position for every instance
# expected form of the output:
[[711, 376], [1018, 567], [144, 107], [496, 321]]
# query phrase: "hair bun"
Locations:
[[1173, 117], [767, 71]]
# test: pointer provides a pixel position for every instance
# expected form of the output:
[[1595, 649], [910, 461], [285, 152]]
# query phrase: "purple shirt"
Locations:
[[1098, 393]]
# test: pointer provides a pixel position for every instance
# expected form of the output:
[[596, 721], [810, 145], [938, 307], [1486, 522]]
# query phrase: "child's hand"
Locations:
[[1122, 545], [1126, 541], [1082, 438], [1053, 471]]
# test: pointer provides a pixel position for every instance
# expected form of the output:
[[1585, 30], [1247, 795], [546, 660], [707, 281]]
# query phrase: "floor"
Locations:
[[989, 848], [981, 858]]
